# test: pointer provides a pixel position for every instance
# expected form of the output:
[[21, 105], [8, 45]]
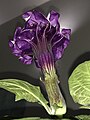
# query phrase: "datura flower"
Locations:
[[41, 40]]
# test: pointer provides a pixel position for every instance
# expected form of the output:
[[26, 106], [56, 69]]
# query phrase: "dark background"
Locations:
[[74, 15]]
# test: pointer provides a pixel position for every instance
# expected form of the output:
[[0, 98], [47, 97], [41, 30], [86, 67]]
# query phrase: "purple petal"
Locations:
[[30, 25], [50, 33], [66, 32], [23, 45], [26, 59], [56, 39], [20, 46], [60, 42], [58, 52], [15, 50], [53, 18], [17, 32], [24, 34], [40, 31], [26, 16], [35, 17]]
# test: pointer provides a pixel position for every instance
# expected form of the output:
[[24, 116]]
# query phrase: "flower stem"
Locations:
[[57, 102]]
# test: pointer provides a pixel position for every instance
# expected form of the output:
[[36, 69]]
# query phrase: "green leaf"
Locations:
[[83, 117], [24, 90], [29, 118], [38, 118], [79, 84]]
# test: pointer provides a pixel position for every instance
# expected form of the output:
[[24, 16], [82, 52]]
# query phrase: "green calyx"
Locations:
[[56, 100]]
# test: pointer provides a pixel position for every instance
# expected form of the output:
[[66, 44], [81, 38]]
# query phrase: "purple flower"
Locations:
[[40, 39]]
